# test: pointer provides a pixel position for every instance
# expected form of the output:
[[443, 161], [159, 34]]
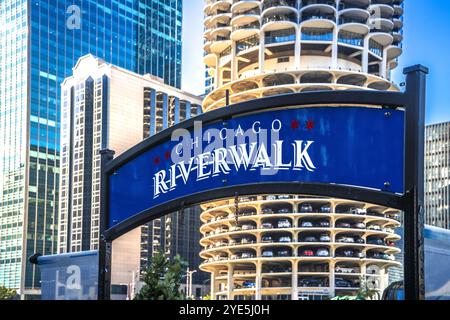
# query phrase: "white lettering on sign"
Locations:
[[239, 151]]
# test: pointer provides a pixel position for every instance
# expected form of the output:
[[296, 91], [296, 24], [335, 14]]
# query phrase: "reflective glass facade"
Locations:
[[40, 42]]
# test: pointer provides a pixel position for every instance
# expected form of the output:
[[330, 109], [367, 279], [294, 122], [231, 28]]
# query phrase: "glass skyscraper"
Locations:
[[40, 42]]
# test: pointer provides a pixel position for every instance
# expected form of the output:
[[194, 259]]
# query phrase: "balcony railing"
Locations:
[[317, 34]]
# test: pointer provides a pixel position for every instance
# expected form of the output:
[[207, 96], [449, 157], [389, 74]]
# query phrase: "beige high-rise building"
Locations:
[[437, 175], [107, 107], [298, 246]]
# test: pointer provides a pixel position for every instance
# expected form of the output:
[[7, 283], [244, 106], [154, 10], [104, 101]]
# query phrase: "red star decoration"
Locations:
[[310, 125], [295, 124], [157, 161], [167, 155]]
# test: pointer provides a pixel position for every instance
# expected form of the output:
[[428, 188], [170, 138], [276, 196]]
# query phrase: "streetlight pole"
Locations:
[[189, 274]]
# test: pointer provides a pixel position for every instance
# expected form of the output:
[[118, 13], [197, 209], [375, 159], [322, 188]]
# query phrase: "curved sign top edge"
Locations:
[[353, 146]]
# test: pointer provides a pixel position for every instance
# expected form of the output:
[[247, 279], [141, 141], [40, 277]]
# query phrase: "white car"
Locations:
[[322, 253], [248, 227], [267, 254], [247, 255], [235, 228], [221, 244], [344, 270], [284, 239], [358, 211], [284, 224], [374, 227]]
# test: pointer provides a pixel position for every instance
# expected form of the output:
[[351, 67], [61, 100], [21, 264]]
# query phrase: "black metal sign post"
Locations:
[[105, 245], [411, 202], [414, 183]]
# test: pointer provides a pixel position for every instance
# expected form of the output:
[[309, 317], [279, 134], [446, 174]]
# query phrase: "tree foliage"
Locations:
[[7, 294], [162, 279]]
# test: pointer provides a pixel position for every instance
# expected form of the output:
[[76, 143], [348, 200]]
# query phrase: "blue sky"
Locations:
[[427, 41]]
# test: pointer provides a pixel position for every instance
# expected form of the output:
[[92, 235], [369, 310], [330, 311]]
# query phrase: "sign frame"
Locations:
[[412, 100]]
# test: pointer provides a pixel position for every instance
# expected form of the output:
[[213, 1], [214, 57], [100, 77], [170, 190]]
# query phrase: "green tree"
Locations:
[[7, 294], [162, 279], [367, 289]]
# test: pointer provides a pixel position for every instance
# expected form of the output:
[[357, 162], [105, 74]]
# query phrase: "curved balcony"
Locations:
[[317, 19], [278, 21], [242, 6], [318, 6], [353, 4], [354, 20], [220, 42], [268, 5], [220, 5], [246, 28]]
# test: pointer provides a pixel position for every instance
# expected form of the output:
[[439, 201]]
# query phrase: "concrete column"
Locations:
[[262, 54], [234, 62], [334, 50], [365, 57], [332, 278], [213, 285], [258, 281], [217, 73], [294, 284], [298, 47], [384, 64], [230, 283]]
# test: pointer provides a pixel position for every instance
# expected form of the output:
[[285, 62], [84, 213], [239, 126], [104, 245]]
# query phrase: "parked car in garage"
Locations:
[[267, 239], [285, 239], [323, 224], [345, 239], [359, 240], [267, 210], [307, 253], [325, 238], [248, 227], [340, 269], [306, 208], [283, 210], [376, 241], [322, 252], [325, 208], [359, 225], [358, 211], [267, 225], [309, 239], [374, 227], [343, 225], [283, 253], [343, 283], [267, 254], [306, 224], [247, 255], [284, 223], [313, 282], [247, 240]]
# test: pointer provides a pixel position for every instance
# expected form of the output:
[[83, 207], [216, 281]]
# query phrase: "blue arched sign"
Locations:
[[358, 145], [353, 146]]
